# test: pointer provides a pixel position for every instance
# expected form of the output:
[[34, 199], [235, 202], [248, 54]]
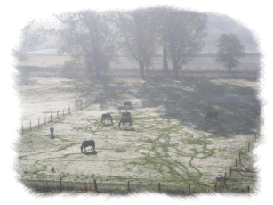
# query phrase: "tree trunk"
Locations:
[[97, 68], [229, 66], [175, 70], [89, 70], [147, 68], [165, 60], [141, 67]]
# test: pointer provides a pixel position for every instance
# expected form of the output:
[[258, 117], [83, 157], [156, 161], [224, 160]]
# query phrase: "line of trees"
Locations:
[[97, 37], [94, 39]]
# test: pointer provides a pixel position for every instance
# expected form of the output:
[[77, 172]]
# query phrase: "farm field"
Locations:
[[48, 95], [171, 141]]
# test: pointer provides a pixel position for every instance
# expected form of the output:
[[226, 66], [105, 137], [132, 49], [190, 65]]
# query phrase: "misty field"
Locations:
[[170, 141]]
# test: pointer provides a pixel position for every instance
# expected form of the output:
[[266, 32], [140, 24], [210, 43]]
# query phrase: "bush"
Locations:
[[71, 69]]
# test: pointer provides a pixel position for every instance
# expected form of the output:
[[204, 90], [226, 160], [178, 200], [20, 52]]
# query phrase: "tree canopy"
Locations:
[[180, 33], [93, 39], [230, 50], [89, 37], [137, 30], [185, 32]]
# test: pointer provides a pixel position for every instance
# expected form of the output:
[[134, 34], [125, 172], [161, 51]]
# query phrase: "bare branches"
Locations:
[[185, 33], [88, 33]]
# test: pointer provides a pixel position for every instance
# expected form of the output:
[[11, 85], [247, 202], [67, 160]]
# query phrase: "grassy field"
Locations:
[[171, 141]]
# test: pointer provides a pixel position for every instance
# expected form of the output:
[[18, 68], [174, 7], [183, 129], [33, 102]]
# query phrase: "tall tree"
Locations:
[[185, 32], [138, 32], [230, 50], [160, 14], [88, 37]]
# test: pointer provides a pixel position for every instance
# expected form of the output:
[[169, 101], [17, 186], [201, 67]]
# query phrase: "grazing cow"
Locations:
[[212, 114], [86, 144], [128, 104], [120, 108], [105, 117], [126, 115], [219, 178], [124, 121]]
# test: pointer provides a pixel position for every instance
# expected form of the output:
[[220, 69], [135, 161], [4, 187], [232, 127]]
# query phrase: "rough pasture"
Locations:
[[172, 142]]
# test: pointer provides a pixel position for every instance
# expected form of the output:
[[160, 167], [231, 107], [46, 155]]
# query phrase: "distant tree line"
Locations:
[[93, 39]]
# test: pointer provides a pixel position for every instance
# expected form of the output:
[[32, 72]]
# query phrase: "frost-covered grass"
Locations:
[[171, 143], [46, 96]]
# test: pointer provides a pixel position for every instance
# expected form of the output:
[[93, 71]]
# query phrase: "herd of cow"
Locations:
[[106, 119], [126, 118]]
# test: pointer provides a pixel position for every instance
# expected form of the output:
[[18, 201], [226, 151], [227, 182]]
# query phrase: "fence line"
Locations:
[[134, 72], [256, 135], [79, 106], [126, 187], [24, 128]]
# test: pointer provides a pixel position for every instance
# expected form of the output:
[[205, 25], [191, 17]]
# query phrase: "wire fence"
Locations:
[[54, 116], [244, 153], [241, 169], [129, 187]]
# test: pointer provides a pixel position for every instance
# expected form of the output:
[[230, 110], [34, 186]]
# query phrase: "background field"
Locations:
[[206, 61]]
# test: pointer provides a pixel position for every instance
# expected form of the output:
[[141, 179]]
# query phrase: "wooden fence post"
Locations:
[[239, 157], [225, 178], [247, 189], [60, 183], [229, 171], [236, 164], [96, 188], [189, 188], [128, 187], [159, 188], [248, 147]]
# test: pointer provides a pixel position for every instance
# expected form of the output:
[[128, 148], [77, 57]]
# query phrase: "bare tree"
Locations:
[[87, 37], [138, 33], [160, 14], [185, 33]]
